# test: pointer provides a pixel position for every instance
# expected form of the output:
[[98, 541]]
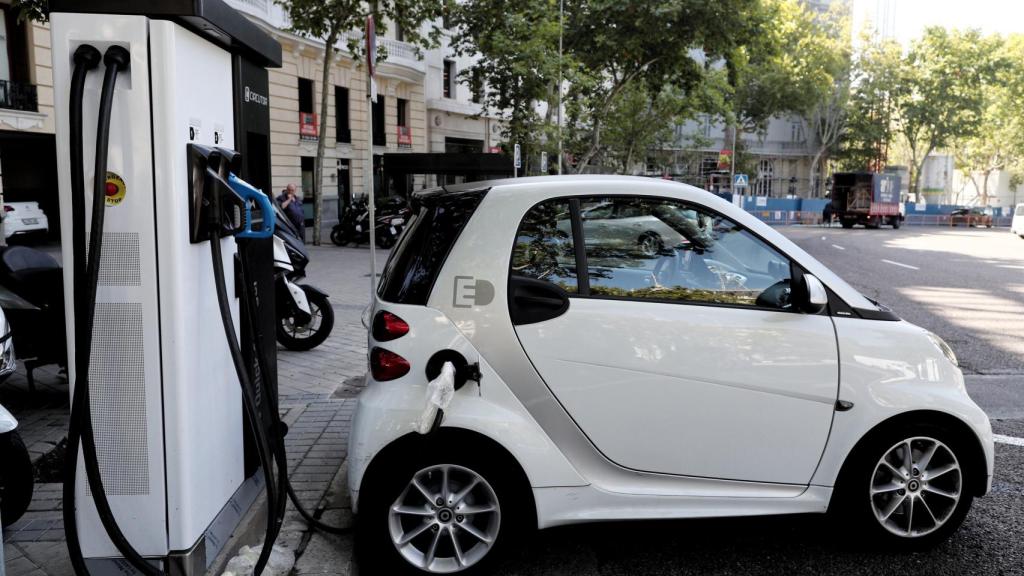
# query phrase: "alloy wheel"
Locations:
[[915, 487], [301, 331], [445, 520]]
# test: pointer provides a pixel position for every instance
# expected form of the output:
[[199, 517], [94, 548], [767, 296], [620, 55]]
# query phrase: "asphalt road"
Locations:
[[965, 285]]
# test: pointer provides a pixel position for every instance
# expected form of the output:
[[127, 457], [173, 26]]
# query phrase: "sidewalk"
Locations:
[[317, 390]]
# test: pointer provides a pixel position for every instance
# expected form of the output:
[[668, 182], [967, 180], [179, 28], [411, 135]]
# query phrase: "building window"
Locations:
[[796, 132], [305, 95], [476, 86], [706, 128], [379, 136], [449, 78], [16, 92], [403, 112], [343, 132], [765, 178], [399, 32]]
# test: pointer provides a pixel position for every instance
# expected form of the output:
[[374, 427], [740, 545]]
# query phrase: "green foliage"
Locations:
[[517, 46], [939, 93], [32, 10], [877, 76]]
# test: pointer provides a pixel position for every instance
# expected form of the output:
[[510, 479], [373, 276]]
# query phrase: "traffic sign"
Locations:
[[741, 181], [517, 157]]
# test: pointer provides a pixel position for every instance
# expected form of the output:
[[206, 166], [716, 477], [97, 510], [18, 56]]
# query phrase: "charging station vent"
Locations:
[[119, 261], [117, 394]]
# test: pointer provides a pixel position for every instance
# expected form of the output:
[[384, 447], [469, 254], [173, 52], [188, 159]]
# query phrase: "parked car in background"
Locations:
[[21, 218], [1017, 224], [976, 216]]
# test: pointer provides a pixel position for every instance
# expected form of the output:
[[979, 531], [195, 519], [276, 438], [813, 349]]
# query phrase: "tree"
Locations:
[[871, 110], [328, 20], [32, 10], [660, 43], [639, 122], [828, 115], [516, 46], [939, 95]]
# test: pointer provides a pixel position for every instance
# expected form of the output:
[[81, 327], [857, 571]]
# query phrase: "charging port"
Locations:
[[464, 371]]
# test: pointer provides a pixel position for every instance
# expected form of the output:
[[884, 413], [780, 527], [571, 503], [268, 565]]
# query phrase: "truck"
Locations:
[[867, 198]]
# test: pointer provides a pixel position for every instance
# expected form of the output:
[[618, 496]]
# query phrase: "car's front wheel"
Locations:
[[440, 516], [909, 488]]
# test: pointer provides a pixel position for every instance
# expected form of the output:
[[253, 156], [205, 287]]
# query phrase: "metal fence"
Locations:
[[805, 218]]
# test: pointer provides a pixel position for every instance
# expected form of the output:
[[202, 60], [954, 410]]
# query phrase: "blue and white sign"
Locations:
[[740, 181]]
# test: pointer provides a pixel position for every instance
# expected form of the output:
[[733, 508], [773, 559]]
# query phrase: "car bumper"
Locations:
[[16, 227]]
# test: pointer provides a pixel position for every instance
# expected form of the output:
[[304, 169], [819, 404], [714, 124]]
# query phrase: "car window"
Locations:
[[1019, 211], [673, 251], [544, 249]]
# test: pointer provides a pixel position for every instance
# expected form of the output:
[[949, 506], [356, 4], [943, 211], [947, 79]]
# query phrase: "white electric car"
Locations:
[[22, 218], [727, 373]]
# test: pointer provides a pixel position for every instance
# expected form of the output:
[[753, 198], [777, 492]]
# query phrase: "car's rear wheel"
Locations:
[[439, 515], [16, 478], [908, 488]]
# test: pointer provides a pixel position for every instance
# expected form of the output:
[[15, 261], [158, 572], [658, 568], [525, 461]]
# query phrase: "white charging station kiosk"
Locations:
[[166, 407]]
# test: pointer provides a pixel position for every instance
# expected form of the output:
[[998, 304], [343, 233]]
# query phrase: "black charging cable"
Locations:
[[85, 282]]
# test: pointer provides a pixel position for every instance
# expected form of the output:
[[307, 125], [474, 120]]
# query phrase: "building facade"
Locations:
[[400, 116], [28, 161]]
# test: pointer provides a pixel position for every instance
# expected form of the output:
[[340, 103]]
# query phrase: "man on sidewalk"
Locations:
[[291, 203]]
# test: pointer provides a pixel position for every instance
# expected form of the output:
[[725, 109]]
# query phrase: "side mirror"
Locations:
[[813, 297]]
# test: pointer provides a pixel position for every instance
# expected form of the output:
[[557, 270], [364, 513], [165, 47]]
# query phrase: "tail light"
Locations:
[[387, 326], [8, 208], [386, 365]]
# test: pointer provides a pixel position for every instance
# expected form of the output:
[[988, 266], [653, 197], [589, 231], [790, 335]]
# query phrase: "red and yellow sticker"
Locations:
[[115, 189]]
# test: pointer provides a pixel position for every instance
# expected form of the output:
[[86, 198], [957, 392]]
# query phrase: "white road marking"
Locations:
[[838, 247], [899, 264], [1012, 440]]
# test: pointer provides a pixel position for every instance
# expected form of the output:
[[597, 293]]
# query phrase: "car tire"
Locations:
[[382, 527], [896, 223], [16, 478], [289, 337], [847, 224], [875, 482], [650, 244]]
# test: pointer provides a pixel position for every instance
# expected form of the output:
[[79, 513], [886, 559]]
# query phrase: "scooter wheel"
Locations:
[[338, 237], [16, 478], [301, 337]]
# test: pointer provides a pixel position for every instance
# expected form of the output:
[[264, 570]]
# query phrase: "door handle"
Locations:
[[532, 300]]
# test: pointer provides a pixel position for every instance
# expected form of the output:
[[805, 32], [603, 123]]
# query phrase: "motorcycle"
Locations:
[[32, 298], [16, 473], [305, 316], [354, 226]]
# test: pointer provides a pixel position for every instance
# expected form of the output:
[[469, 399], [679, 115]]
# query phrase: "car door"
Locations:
[[688, 362]]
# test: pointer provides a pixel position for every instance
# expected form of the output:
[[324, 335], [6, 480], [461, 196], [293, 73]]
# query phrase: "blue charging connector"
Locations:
[[247, 193]]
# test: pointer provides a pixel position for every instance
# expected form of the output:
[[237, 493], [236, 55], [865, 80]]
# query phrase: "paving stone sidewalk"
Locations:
[[317, 390]]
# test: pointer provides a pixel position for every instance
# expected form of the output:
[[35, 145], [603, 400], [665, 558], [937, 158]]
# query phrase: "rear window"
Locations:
[[1019, 211], [417, 259]]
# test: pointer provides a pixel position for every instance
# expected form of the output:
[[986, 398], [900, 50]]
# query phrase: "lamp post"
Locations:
[[561, 30]]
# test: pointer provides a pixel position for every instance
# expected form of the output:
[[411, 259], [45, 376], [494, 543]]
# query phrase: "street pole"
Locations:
[[371, 56], [561, 29], [732, 164]]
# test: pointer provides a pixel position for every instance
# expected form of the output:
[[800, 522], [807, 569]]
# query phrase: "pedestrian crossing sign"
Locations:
[[741, 181]]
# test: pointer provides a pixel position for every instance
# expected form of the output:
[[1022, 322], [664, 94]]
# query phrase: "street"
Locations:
[[965, 285]]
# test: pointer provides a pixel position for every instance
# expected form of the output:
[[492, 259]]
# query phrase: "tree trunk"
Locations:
[[318, 171], [984, 190], [814, 171]]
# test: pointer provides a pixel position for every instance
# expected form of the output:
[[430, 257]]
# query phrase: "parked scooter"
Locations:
[[32, 298], [305, 316], [16, 474], [353, 228]]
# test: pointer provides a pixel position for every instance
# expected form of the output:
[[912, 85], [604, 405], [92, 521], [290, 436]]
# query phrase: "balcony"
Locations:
[[18, 96], [399, 53]]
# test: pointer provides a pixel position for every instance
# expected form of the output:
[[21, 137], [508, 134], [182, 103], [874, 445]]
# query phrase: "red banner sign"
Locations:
[[404, 136], [307, 125]]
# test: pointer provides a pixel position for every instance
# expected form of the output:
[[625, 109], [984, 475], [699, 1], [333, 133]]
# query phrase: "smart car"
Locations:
[[725, 374], [977, 216], [23, 218]]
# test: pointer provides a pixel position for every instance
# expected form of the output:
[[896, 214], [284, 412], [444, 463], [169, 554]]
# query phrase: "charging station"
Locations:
[[165, 407]]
